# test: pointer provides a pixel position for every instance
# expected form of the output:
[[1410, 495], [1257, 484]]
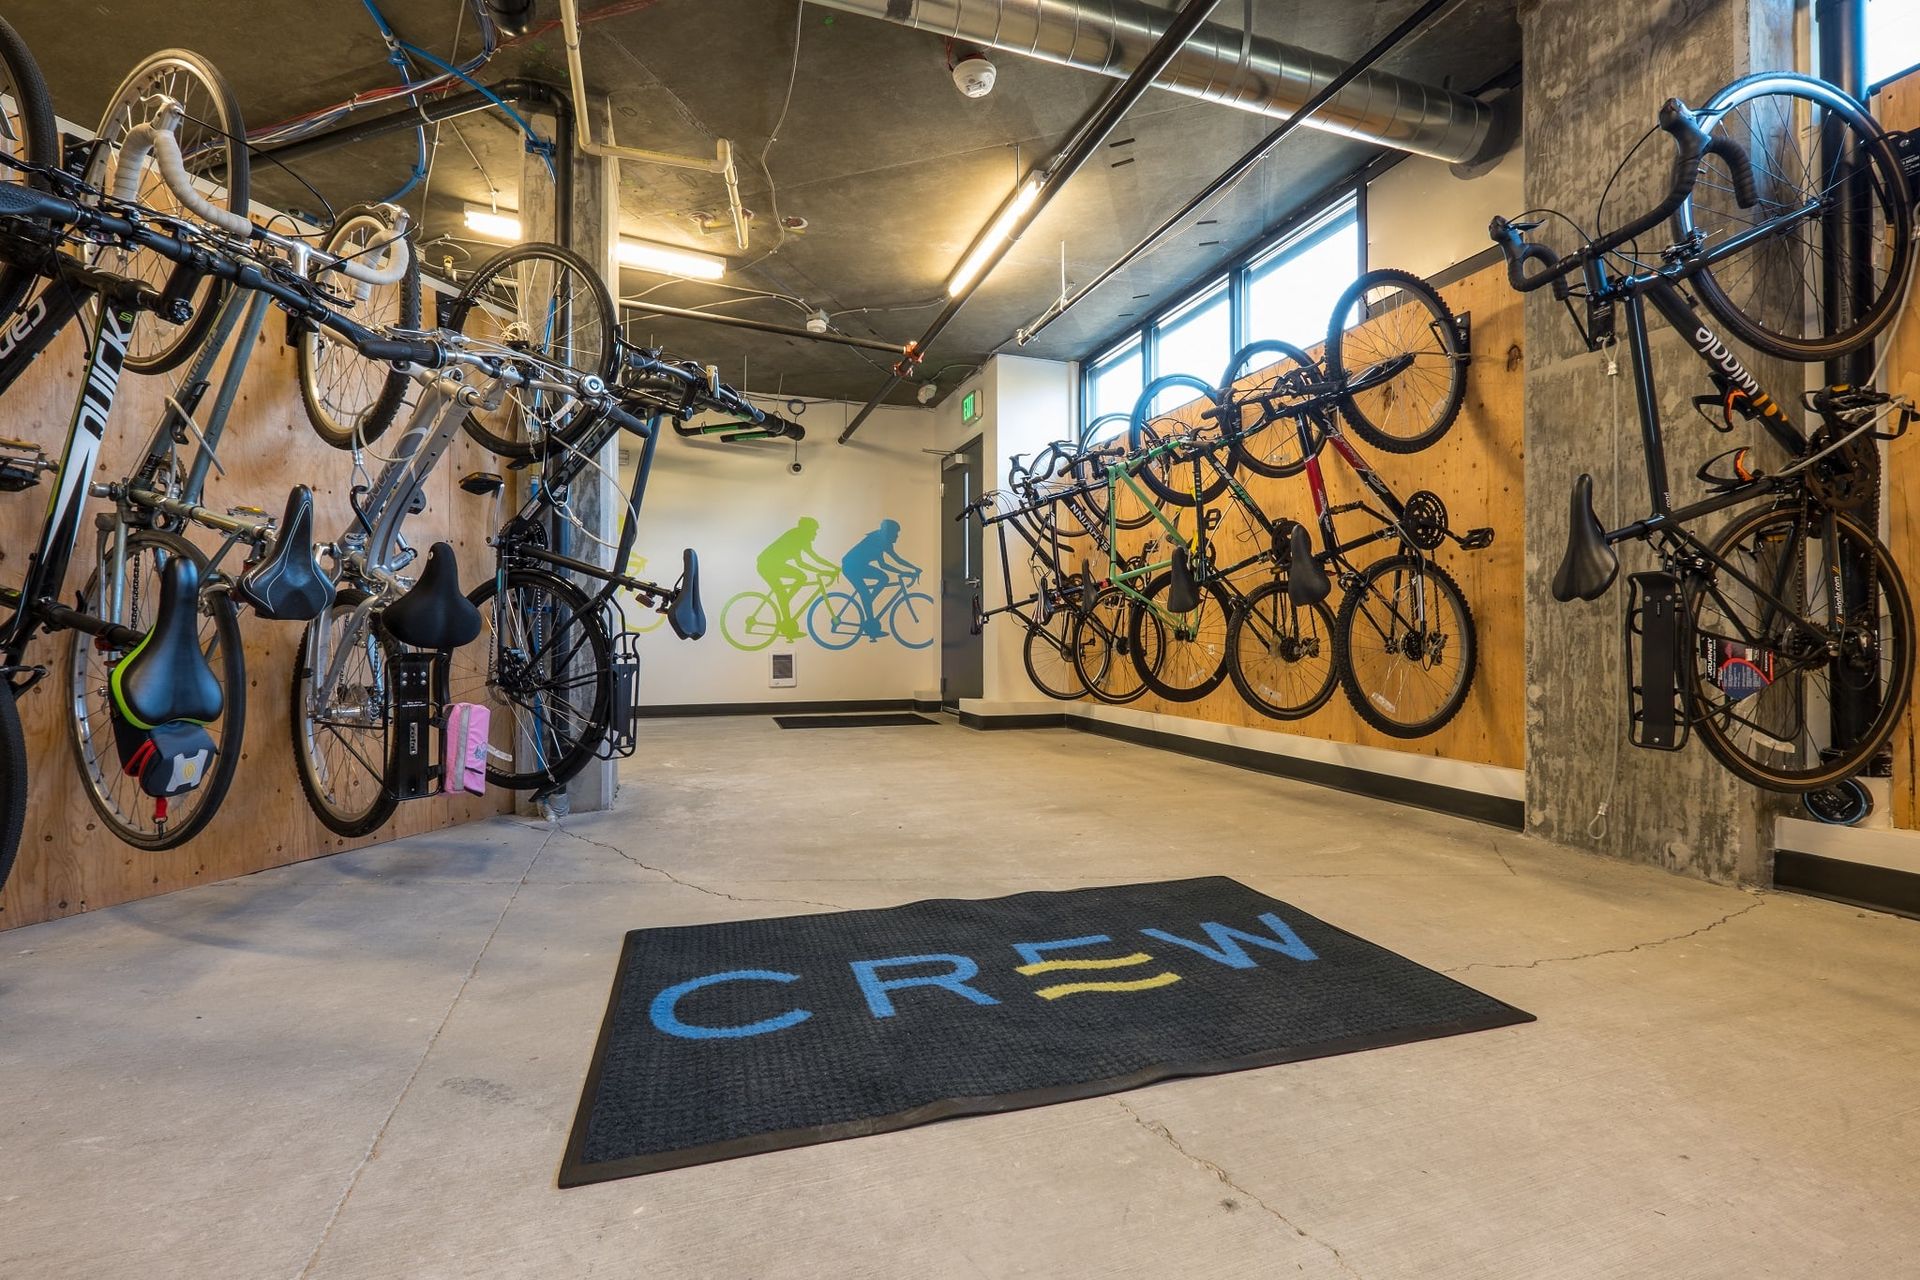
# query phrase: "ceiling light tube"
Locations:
[[644, 256], [493, 224], [996, 235]]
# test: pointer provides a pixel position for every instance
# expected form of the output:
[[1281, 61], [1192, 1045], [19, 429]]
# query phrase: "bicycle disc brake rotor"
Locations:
[[1425, 521], [1844, 480]]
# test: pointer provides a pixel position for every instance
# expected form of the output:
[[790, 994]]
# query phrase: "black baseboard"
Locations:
[[1030, 720], [772, 708], [1497, 810], [1854, 883]]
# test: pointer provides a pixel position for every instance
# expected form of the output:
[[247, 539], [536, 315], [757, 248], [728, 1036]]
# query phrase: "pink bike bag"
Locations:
[[466, 756]]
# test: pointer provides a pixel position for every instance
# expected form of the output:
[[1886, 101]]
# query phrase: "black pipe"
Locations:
[[767, 326], [1081, 144], [1355, 69]]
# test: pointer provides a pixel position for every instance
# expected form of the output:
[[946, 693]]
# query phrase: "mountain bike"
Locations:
[[1746, 635]]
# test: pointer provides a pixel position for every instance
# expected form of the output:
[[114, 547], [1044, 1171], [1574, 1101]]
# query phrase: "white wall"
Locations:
[[1420, 218], [729, 501]]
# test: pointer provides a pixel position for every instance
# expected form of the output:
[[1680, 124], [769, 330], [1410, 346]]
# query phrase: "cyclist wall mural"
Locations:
[[868, 592]]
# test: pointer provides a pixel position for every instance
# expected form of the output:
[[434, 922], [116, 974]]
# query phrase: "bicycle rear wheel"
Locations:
[[13, 781], [1172, 476], [544, 665], [350, 398], [126, 810], [1405, 336], [1762, 678], [27, 133], [1279, 654], [1049, 658], [1099, 642], [1808, 143], [212, 140], [1181, 656], [1405, 645], [1262, 372], [551, 303], [340, 741]]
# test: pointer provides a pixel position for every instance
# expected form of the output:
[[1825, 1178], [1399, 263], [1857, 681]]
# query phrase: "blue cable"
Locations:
[[539, 145], [397, 56]]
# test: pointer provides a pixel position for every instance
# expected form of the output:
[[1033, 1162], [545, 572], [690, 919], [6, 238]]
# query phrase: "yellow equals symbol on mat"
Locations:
[[1032, 953]]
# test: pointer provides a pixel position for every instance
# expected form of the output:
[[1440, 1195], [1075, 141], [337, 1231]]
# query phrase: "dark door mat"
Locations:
[[875, 720], [726, 1040]]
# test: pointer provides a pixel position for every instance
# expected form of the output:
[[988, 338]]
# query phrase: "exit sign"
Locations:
[[970, 408]]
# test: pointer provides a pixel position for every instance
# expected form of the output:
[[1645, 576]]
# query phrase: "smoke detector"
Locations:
[[974, 75], [926, 393], [818, 322]]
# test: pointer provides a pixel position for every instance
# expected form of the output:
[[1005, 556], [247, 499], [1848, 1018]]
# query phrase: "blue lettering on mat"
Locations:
[[664, 1017], [875, 988], [1032, 952], [1226, 947]]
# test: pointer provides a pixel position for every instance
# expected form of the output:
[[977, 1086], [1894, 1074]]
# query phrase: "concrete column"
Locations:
[[1596, 75]]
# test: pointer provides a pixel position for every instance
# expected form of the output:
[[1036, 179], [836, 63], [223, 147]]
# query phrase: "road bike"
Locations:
[[1754, 635]]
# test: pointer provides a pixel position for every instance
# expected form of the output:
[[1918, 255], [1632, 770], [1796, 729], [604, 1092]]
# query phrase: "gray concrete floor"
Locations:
[[366, 1066]]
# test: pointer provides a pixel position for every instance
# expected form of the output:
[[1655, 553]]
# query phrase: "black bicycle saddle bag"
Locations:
[[434, 614], [287, 583]]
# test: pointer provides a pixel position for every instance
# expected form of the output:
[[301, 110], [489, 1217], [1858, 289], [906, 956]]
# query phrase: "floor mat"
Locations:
[[876, 720], [725, 1040]]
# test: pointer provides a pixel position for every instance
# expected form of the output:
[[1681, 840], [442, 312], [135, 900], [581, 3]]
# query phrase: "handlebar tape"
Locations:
[[1739, 168], [128, 168]]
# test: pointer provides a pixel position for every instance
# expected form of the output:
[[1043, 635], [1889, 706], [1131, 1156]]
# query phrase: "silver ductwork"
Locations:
[[1219, 64]]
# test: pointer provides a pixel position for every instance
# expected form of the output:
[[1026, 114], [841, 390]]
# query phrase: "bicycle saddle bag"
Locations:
[[166, 677], [434, 614], [167, 759], [1183, 595], [686, 615], [1307, 582], [287, 583], [1589, 566]]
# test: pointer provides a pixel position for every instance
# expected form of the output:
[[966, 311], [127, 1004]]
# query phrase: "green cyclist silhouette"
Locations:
[[867, 565], [788, 561]]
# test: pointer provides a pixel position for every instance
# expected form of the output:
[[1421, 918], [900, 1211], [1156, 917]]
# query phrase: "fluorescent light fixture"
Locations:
[[996, 235], [644, 256], [494, 226]]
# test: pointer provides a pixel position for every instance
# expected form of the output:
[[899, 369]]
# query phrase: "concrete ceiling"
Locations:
[[894, 171]]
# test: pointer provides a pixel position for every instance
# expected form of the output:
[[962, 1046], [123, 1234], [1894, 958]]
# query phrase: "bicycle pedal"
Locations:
[[1476, 539], [483, 482]]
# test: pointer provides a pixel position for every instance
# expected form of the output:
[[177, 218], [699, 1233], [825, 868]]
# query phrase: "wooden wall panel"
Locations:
[[1476, 469], [67, 862], [1898, 107]]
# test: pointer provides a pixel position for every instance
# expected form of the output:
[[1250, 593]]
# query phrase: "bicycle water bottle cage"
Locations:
[[1307, 582], [287, 582], [1183, 594], [1739, 472], [1589, 566], [166, 677], [434, 614], [686, 616]]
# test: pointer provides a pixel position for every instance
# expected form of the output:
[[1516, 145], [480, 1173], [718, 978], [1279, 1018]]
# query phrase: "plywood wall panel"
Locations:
[[1898, 107]]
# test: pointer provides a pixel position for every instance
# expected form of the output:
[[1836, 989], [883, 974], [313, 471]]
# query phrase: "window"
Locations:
[[1195, 338], [1893, 38], [1291, 288], [1114, 381]]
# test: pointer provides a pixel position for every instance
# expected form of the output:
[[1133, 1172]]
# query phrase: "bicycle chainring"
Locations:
[[1425, 520], [1844, 480]]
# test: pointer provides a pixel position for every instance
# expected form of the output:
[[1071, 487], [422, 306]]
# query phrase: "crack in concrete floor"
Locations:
[[1614, 951], [688, 884]]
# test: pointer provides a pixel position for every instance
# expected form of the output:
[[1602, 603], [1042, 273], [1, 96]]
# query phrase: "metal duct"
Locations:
[[1218, 64]]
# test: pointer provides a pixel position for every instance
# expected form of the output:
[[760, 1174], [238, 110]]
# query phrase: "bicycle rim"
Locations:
[[1182, 657], [348, 397], [1761, 680], [1771, 295], [1405, 646], [26, 134], [1049, 658], [1398, 323], [1103, 653], [1270, 371], [126, 810], [1280, 655], [340, 744], [1171, 476]]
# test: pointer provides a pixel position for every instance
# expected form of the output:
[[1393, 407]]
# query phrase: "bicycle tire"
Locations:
[[115, 797], [1376, 706], [1102, 656], [1413, 408], [1047, 675], [213, 113], [586, 345], [38, 143], [505, 685], [1782, 264], [1149, 427], [1283, 455], [1827, 766], [381, 804], [13, 780], [1250, 632], [1177, 667], [734, 627], [924, 614], [321, 358]]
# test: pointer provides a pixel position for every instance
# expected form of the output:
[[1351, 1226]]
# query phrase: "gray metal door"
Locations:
[[960, 480]]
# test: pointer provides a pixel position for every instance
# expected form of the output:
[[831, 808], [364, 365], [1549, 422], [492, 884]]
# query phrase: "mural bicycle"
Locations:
[[801, 588]]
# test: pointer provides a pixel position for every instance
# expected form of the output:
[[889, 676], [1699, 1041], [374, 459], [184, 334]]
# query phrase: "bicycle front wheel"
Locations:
[[552, 304], [1405, 646], [1810, 146], [26, 135], [545, 668], [1049, 658], [1280, 654], [1769, 657], [1102, 650], [1404, 352], [126, 810], [213, 148], [1262, 379], [1181, 656], [1173, 409], [340, 731], [350, 398]]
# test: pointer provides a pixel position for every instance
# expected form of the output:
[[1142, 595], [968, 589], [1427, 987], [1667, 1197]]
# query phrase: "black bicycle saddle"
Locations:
[[1589, 565], [686, 615], [166, 677], [434, 614], [287, 582], [1307, 582]]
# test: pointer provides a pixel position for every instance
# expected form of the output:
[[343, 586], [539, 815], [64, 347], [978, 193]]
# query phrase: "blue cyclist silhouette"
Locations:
[[866, 567]]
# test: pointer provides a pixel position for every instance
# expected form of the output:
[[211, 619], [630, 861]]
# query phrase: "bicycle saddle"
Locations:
[[287, 582], [1183, 593], [1589, 565], [686, 616], [434, 614], [1307, 582], [166, 677]]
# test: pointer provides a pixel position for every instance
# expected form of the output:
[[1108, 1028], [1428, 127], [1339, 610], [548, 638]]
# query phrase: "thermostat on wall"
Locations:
[[780, 675]]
